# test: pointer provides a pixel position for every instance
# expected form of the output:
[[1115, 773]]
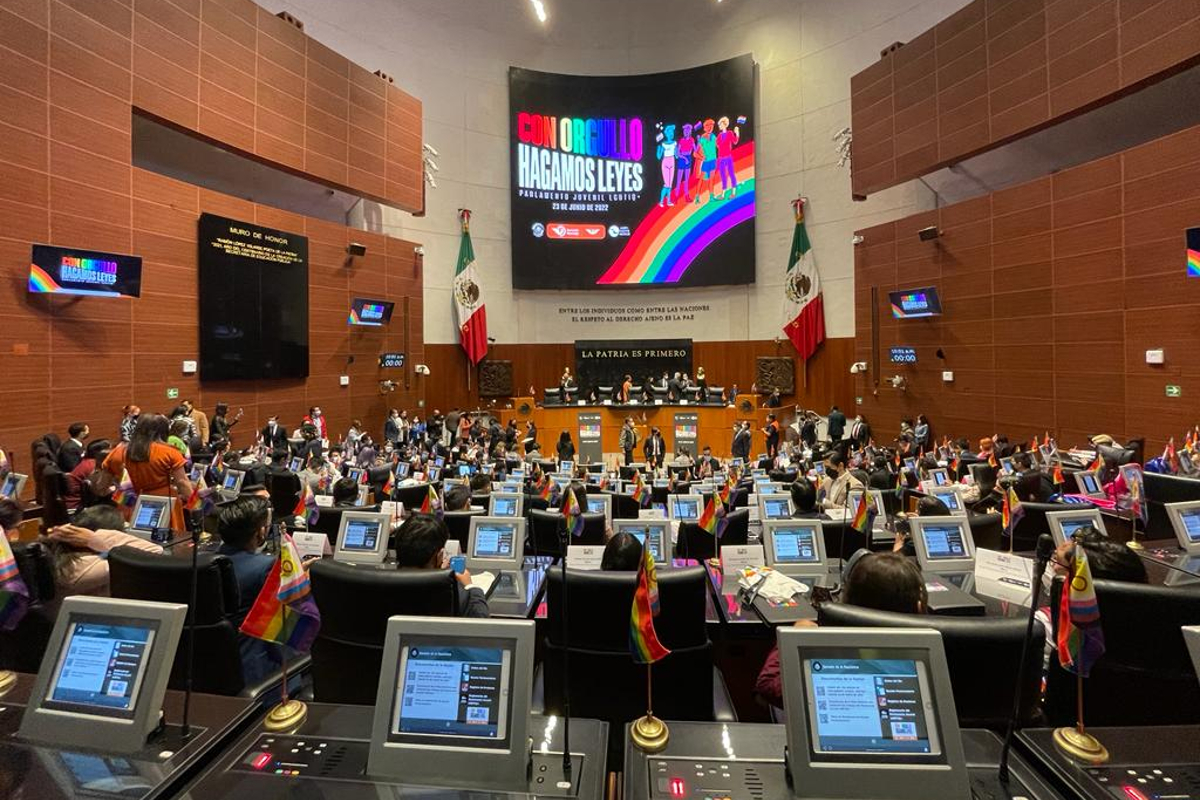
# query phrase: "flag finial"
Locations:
[[464, 216]]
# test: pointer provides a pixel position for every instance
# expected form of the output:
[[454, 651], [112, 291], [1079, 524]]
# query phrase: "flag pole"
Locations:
[[1075, 741], [290, 713], [649, 733]]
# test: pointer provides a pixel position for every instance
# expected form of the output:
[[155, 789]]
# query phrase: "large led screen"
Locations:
[[639, 180]]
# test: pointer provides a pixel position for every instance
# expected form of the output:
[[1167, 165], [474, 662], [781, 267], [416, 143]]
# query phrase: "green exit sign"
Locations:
[[1174, 391], [172, 393]]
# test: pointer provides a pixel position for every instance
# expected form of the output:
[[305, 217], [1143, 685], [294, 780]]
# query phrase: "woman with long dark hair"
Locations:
[[566, 447], [154, 466], [221, 424]]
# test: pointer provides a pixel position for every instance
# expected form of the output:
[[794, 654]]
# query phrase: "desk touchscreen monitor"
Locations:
[[939, 476], [1088, 483], [151, 513], [600, 504], [951, 499], [104, 674], [1185, 519], [231, 483], [774, 506], [505, 504], [943, 544], [649, 530], [13, 483], [870, 715], [363, 537], [496, 543], [452, 707], [1064, 524], [795, 547], [685, 507]]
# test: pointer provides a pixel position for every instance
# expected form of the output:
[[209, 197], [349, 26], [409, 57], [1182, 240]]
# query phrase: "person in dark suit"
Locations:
[[860, 431], [772, 434], [837, 425], [707, 464], [391, 427], [628, 440], [421, 544], [674, 389], [741, 441], [273, 434], [654, 449], [71, 452]]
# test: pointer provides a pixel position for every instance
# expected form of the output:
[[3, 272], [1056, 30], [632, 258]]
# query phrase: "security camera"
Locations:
[[421, 369], [857, 367], [419, 250], [858, 239], [898, 382]]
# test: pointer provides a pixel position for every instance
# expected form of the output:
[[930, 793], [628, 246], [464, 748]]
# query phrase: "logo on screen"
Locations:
[[913, 302], [372, 311], [88, 270]]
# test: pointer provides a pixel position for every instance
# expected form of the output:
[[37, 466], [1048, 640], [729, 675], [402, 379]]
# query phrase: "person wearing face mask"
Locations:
[[315, 417], [838, 481], [273, 435]]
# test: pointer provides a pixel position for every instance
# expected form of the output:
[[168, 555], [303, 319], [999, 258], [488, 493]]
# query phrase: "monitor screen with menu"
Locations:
[[1088, 483], [151, 513], [453, 692], [101, 667], [1185, 519], [1065, 524], [685, 506], [943, 544], [945, 540], [495, 542], [362, 537], [646, 530], [949, 497], [232, 482], [794, 543], [776, 506], [505, 505]]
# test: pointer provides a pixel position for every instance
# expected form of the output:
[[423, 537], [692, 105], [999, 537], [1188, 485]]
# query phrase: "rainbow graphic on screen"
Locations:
[[369, 314], [76, 270], [589, 431], [685, 431], [1193, 252], [916, 301], [670, 238]]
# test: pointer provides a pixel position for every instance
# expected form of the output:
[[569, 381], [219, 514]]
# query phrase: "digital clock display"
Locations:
[[391, 360], [904, 355]]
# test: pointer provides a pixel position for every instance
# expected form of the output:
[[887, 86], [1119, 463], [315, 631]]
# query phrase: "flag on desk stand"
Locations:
[[1059, 480], [804, 307], [389, 485], [1097, 464], [286, 614], [307, 506], [469, 308], [864, 514], [1010, 514], [1080, 643], [201, 499], [713, 518], [431, 504], [1170, 457], [14, 594], [573, 513], [649, 733], [641, 492]]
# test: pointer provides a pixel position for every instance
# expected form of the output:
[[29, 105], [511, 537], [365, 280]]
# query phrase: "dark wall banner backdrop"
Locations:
[[638, 180], [606, 363], [589, 437]]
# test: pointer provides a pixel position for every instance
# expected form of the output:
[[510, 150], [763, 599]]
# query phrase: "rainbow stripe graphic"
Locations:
[[669, 239], [41, 281], [1193, 263]]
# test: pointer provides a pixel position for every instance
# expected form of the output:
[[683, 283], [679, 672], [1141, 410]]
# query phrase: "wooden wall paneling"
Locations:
[[1053, 291], [993, 72]]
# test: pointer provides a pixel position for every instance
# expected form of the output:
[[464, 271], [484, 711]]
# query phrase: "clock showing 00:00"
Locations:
[[904, 355]]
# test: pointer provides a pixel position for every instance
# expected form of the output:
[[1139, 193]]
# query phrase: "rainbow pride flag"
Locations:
[[1059, 480], [201, 499], [641, 492], [14, 594], [124, 495], [306, 505], [389, 485], [643, 641], [712, 519], [573, 512], [1080, 637], [284, 611], [863, 514], [431, 504]]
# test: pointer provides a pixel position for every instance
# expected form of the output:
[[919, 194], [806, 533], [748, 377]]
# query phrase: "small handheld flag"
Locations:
[[992, 460], [1097, 464], [713, 518], [431, 504], [306, 505], [864, 514], [643, 641], [124, 495], [201, 499], [573, 513], [1059, 480], [14, 594], [284, 611], [641, 492], [389, 485]]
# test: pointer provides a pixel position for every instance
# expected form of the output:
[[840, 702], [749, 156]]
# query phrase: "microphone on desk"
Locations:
[[1045, 549], [185, 729], [564, 538]]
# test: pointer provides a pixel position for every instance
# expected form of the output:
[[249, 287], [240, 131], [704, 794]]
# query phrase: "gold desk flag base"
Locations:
[[1134, 544], [649, 734], [1080, 745], [286, 716], [7, 681]]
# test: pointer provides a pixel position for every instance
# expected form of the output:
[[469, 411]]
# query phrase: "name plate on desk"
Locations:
[[651, 513], [658, 402], [736, 557], [324, 501], [1006, 576], [312, 544], [393, 508], [584, 556]]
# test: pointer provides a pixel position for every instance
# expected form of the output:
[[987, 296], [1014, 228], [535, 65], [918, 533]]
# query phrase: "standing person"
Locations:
[[273, 434], [199, 420], [566, 447], [180, 412], [654, 449], [510, 435], [837, 425], [464, 427], [221, 424], [808, 430], [626, 388], [648, 390], [921, 432], [154, 466], [129, 421], [567, 384], [628, 440], [741, 441], [772, 434], [77, 478], [71, 452], [860, 431], [702, 384], [674, 389], [317, 418], [391, 428], [531, 442]]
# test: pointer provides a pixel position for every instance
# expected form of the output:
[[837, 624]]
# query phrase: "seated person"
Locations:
[[345, 493], [838, 481], [481, 484], [457, 498], [882, 581], [79, 551], [926, 507], [77, 479], [1034, 486], [804, 498], [881, 476], [243, 524], [985, 496], [421, 544], [11, 514], [623, 553]]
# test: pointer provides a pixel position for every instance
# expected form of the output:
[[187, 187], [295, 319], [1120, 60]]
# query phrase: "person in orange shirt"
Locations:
[[626, 387], [154, 466]]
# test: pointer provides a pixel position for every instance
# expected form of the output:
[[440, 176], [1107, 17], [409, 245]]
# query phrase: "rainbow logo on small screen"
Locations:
[[368, 314], [685, 431], [589, 431], [1193, 252]]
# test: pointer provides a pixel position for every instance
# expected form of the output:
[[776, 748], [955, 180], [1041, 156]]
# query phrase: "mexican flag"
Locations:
[[804, 309], [468, 299]]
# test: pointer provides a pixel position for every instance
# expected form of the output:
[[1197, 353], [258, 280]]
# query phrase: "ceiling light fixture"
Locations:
[[539, 8]]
